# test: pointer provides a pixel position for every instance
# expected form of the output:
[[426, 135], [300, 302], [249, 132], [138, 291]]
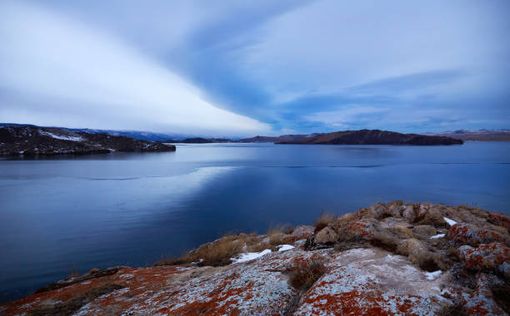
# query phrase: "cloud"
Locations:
[[346, 118], [222, 67], [57, 70], [329, 45]]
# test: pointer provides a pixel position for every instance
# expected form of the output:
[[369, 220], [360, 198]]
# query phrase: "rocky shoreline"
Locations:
[[387, 259]]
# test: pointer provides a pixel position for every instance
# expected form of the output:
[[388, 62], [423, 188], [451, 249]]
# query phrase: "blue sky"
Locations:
[[235, 68]]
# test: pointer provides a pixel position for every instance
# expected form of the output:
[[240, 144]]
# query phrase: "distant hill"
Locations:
[[140, 135], [480, 135], [202, 140], [146, 136], [31, 140], [260, 139], [360, 137]]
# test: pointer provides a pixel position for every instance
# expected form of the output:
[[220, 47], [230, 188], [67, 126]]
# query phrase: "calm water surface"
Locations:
[[68, 215]]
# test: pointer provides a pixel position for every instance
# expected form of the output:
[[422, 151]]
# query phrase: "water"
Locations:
[[59, 216]]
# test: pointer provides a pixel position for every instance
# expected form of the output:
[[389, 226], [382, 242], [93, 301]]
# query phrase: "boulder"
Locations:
[[327, 235], [481, 301], [356, 285], [493, 257], [468, 234], [409, 213], [302, 232]]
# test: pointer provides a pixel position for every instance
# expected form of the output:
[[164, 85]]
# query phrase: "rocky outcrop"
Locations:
[[388, 259], [30, 140]]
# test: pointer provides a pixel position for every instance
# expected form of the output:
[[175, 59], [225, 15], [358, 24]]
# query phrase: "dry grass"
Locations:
[[419, 254], [280, 235], [385, 240], [324, 220], [304, 273], [402, 231], [220, 251]]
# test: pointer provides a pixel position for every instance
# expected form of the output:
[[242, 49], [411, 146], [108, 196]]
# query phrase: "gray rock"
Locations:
[[326, 236]]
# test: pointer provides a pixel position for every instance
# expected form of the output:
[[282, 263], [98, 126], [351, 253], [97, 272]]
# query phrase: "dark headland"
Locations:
[[31, 140]]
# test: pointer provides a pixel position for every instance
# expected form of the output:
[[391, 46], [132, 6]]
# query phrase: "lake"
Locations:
[[64, 215]]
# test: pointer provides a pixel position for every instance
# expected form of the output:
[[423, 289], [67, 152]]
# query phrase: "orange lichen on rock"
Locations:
[[471, 235], [388, 259]]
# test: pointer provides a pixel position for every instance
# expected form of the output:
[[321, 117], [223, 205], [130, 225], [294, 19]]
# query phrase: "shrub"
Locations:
[[324, 220], [304, 273]]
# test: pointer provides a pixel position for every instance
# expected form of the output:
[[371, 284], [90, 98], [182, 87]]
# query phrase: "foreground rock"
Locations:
[[382, 260], [29, 140]]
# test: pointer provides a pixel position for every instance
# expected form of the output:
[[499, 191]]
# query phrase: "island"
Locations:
[[386, 259], [366, 137], [30, 140], [482, 135]]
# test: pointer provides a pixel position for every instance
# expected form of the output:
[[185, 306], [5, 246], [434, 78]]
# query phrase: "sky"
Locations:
[[240, 68]]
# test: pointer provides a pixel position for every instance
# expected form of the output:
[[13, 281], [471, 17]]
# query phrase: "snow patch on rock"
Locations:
[[431, 276], [62, 137], [248, 256], [450, 221], [282, 248]]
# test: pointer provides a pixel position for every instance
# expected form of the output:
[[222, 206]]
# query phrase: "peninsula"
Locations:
[[31, 140]]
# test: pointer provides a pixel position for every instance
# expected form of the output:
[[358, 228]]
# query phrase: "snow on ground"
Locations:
[[285, 247], [438, 236], [431, 276], [62, 137], [450, 221], [247, 256]]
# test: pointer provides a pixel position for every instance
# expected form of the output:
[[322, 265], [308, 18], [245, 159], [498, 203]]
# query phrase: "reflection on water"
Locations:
[[63, 215]]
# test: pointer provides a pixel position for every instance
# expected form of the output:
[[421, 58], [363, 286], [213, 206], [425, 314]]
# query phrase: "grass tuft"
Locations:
[[220, 251], [324, 220], [304, 273]]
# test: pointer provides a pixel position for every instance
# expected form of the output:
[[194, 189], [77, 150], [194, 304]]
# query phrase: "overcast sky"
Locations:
[[235, 68]]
